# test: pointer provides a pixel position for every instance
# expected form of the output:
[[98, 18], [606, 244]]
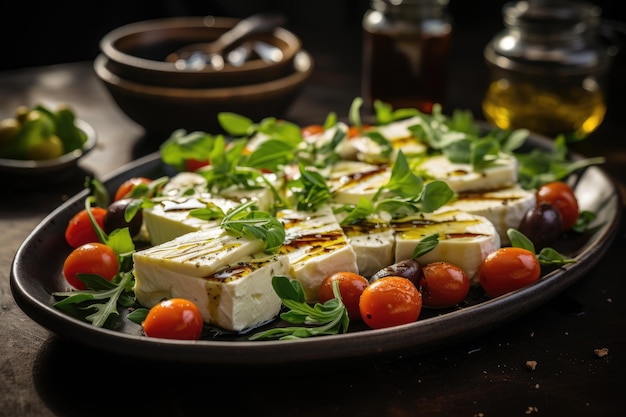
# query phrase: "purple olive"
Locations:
[[408, 268], [114, 219], [542, 225]]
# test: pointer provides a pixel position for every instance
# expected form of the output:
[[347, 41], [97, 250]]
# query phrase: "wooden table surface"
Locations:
[[42, 375]]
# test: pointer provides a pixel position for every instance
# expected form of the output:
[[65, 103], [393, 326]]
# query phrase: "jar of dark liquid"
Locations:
[[406, 44], [548, 69]]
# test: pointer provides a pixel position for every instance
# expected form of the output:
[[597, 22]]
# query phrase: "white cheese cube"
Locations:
[[464, 239], [170, 218], [463, 177], [198, 253], [373, 242], [505, 208], [351, 180], [316, 246], [236, 297]]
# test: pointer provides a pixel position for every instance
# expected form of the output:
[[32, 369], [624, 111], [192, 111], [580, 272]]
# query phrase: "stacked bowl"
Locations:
[[163, 96]]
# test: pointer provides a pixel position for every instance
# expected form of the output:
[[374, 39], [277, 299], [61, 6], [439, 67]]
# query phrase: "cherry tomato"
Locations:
[[351, 286], [390, 301], [175, 318], [90, 258], [127, 187], [193, 165], [443, 285], [354, 131], [311, 130], [508, 269], [562, 197], [79, 229]]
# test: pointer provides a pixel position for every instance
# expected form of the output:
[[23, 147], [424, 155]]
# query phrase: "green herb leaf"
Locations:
[[235, 124], [328, 318], [255, 224], [426, 245], [403, 181], [585, 218], [98, 304], [138, 315], [547, 256], [310, 190]]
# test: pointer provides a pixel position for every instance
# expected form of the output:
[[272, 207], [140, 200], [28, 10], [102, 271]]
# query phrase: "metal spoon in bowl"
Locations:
[[197, 56]]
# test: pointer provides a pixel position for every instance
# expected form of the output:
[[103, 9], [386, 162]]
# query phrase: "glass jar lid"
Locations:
[[556, 35]]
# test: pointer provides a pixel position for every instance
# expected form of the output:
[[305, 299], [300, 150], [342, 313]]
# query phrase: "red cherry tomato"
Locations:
[[562, 197], [354, 131], [390, 301], [443, 285], [79, 229], [175, 318], [193, 165], [127, 187], [90, 258], [351, 286], [311, 130], [508, 269]]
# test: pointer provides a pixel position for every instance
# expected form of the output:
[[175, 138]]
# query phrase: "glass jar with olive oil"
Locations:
[[547, 69]]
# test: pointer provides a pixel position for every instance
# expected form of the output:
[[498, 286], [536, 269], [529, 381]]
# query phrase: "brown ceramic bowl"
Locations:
[[164, 109], [137, 52]]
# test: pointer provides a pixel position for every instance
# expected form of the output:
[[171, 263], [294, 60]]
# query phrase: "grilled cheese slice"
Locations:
[[463, 178], [229, 278], [505, 208], [373, 242], [349, 181], [464, 239], [316, 246], [170, 218]]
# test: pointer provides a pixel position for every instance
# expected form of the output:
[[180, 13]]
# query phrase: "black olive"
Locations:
[[542, 225], [114, 219], [409, 269]]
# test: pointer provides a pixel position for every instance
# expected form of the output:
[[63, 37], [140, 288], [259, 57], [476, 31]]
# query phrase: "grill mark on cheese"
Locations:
[[193, 251], [239, 270], [315, 244], [347, 181], [449, 227], [365, 227], [488, 196]]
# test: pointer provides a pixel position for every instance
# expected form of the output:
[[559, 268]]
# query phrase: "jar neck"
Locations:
[[410, 9], [551, 21]]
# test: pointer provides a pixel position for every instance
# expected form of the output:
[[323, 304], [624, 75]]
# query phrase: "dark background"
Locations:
[[48, 32], [38, 32]]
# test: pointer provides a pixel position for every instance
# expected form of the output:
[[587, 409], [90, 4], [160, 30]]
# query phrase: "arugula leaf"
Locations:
[[542, 166], [310, 190], [326, 319], [255, 224], [98, 304]]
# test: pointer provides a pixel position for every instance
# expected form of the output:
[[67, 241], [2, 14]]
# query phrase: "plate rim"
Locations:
[[381, 343]]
